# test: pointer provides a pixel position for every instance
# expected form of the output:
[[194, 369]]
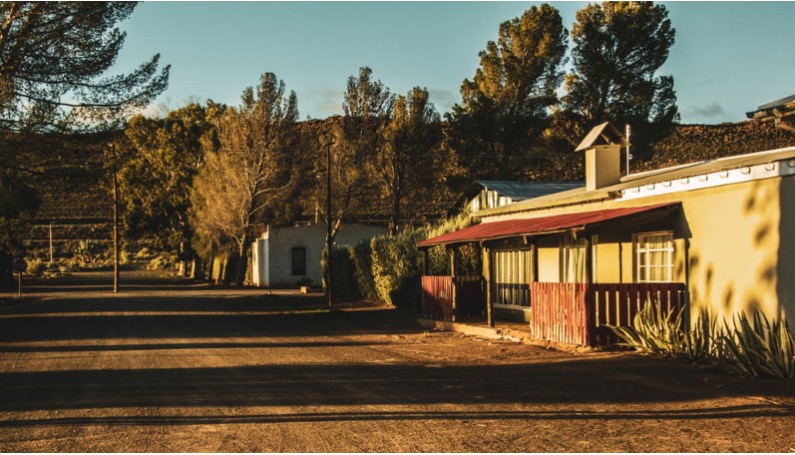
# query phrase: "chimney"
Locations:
[[602, 148]]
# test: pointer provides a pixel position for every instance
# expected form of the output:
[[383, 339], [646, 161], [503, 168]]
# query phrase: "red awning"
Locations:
[[512, 228]]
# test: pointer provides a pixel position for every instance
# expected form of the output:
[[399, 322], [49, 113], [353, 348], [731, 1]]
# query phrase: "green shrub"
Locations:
[[361, 256], [346, 288], [397, 268]]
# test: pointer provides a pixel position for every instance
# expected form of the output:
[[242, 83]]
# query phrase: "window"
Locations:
[[654, 257], [513, 272], [299, 260], [572, 260]]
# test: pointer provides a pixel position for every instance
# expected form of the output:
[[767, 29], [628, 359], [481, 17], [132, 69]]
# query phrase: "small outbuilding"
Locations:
[[289, 256]]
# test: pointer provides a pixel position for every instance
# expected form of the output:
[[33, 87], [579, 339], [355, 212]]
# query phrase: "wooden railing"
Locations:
[[577, 313], [574, 313], [617, 305], [438, 294], [558, 312], [437, 297]]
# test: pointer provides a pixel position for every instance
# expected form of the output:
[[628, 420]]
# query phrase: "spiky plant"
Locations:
[[758, 347]]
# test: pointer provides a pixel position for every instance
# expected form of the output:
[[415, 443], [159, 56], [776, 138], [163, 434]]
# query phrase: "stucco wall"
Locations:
[[735, 249]]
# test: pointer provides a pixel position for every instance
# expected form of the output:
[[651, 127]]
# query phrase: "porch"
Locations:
[[572, 313]]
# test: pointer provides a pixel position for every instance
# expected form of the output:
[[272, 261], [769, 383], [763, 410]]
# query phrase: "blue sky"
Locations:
[[729, 57]]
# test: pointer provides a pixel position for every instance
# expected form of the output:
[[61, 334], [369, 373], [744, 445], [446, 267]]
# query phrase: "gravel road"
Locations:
[[170, 366]]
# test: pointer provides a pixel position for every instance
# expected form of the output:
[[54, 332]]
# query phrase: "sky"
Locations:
[[729, 57]]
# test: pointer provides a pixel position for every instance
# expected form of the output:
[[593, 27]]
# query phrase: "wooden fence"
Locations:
[[437, 297], [577, 313], [617, 305]]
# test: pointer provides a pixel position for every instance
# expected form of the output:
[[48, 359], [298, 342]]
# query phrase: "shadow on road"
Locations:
[[728, 412], [589, 381], [52, 326]]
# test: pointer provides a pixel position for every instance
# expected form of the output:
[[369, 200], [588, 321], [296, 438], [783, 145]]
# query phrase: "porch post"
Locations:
[[487, 286], [589, 271], [454, 296]]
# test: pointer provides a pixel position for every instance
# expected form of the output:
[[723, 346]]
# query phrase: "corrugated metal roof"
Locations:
[[512, 228], [581, 195], [519, 191]]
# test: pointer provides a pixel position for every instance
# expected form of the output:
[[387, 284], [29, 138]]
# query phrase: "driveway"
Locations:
[[170, 366]]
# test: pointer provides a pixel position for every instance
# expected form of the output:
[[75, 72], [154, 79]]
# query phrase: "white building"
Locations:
[[290, 256]]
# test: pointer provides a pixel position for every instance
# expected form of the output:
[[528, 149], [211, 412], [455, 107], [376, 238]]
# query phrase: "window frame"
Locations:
[[640, 266]]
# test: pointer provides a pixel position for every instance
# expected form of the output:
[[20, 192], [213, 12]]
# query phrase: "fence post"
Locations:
[[487, 280]]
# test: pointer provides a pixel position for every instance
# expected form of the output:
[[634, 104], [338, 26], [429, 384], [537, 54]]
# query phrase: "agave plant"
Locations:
[[652, 331], [752, 347], [759, 347], [661, 333], [698, 343]]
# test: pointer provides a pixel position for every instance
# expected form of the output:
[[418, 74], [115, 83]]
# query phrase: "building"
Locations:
[[290, 256], [716, 236], [489, 194]]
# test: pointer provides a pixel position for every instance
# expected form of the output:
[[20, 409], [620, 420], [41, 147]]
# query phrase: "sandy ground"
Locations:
[[169, 366]]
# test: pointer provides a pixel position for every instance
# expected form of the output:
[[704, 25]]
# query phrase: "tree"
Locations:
[[249, 171], [157, 172], [53, 59], [404, 163], [18, 203], [504, 106], [354, 140], [618, 48]]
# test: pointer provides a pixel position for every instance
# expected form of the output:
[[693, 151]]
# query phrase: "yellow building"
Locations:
[[717, 235]]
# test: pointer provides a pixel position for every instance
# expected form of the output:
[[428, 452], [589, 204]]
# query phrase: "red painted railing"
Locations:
[[437, 297], [574, 313], [558, 312], [577, 313]]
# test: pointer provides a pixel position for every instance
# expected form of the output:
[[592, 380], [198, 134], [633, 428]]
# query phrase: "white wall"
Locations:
[[277, 244]]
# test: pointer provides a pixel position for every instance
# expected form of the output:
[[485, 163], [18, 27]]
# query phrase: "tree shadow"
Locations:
[[710, 413], [577, 382]]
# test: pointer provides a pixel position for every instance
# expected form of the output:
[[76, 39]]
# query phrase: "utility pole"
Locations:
[[115, 224], [51, 243], [628, 131], [328, 222]]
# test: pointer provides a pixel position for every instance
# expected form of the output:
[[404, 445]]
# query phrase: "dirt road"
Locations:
[[169, 366]]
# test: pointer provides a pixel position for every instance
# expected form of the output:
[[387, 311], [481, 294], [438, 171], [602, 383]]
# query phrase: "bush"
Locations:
[[397, 263], [163, 262], [388, 268], [397, 268], [362, 257], [346, 288]]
